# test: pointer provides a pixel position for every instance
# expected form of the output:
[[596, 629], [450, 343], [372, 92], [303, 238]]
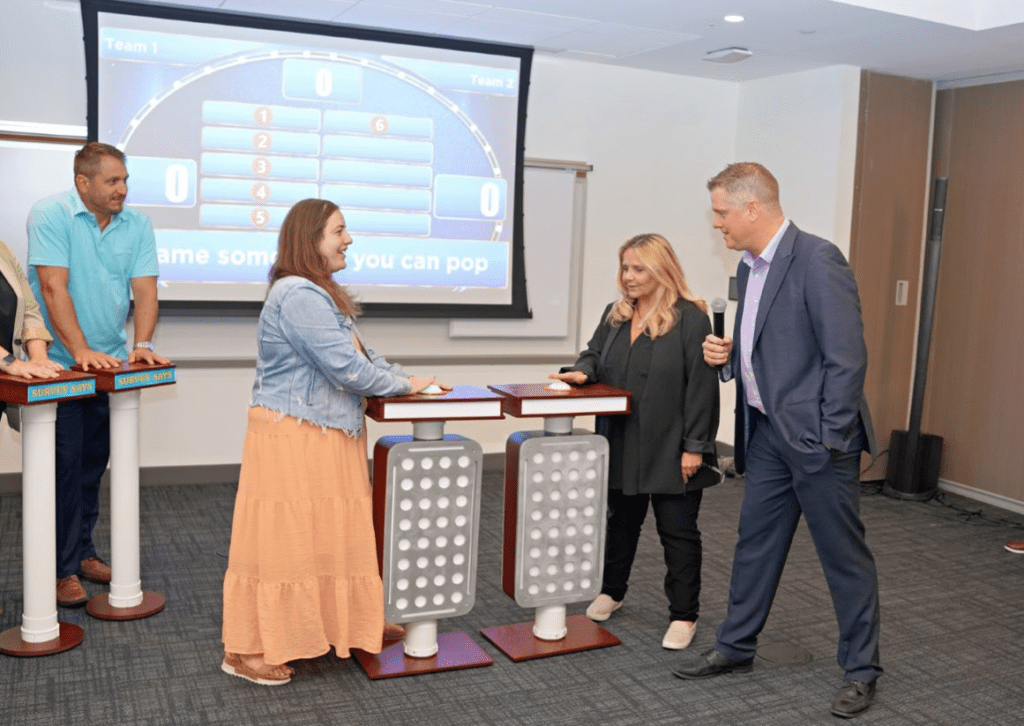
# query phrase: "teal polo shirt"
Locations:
[[63, 233]]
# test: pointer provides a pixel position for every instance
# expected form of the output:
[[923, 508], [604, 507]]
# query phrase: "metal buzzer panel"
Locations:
[[432, 511], [559, 551]]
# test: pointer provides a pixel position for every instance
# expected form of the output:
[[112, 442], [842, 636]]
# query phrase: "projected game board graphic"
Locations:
[[402, 144]]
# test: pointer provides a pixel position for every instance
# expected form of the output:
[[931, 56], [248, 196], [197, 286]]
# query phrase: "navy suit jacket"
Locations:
[[809, 356]]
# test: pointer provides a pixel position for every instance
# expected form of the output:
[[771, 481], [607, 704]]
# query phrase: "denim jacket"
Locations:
[[308, 365]]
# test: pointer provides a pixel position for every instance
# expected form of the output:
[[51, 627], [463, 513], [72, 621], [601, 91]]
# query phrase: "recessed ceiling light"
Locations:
[[734, 18]]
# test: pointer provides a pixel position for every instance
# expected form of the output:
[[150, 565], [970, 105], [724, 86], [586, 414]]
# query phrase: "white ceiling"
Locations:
[[941, 40]]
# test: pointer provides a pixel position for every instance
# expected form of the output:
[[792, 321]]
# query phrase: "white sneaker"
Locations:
[[602, 608], [679, 634]]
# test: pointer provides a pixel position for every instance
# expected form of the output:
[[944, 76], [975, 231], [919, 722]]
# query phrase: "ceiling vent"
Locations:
[[728, 55]]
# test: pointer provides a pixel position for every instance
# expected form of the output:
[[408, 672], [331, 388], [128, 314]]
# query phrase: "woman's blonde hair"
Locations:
[[657, 255]]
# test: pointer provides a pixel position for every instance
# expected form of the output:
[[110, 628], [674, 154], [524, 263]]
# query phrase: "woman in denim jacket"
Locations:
[[302, 568]]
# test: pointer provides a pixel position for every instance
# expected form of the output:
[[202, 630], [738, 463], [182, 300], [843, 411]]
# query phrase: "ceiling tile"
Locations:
[[969, 14], [444, 7], [617, 40], [392, 18], [561, 23], [511, 26], [301, 9]]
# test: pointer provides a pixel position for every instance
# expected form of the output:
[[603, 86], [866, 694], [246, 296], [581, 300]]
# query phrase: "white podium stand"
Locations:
[[40, 632], [426, 510], [126, 599], [556, 481]]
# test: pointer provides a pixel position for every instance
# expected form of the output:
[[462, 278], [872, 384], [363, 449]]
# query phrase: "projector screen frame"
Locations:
[[518, 307]]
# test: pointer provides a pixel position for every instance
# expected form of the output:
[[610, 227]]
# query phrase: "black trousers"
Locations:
[[676, 519], [83, 450]]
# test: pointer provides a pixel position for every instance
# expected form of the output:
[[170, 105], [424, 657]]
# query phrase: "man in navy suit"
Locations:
[[799, 362]]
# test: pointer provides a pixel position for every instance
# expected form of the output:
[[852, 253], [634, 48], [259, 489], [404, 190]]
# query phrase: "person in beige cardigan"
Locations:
[[31, 338], [24, 354]]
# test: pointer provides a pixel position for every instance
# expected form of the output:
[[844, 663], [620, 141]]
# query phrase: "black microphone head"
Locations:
[[718, 305]]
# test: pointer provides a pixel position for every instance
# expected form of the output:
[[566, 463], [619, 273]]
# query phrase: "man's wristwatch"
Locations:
[[147, 345], [6, 361]]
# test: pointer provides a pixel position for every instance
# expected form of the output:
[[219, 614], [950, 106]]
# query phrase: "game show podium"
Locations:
[[426, 512], [556, 481], [126, 599], [40, 632]]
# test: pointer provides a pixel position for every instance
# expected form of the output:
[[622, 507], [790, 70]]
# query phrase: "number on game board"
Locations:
[[490, 199], [324, 82], [176, 183], [260, 191], [262, 115], [262, 141], [260, 217], [260, 166]]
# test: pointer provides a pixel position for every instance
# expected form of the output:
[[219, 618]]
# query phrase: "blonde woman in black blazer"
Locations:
[[649, 343]]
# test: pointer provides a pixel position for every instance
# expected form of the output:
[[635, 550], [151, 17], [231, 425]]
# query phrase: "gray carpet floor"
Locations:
[[952, 635]]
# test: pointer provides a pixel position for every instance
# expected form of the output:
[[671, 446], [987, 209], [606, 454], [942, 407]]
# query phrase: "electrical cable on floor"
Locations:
[[940, 499], [973, 516], [871, 487]]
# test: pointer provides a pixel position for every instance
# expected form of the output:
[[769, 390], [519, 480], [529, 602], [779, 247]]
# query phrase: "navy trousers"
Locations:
[[776, 493], [83, 450], [676, 518]]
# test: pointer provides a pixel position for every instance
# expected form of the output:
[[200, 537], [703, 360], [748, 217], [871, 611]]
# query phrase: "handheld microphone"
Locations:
[[718, 317]]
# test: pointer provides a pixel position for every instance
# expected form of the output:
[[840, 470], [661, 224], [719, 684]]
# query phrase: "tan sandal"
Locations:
[[233, 659], [393, 631], [267, 675]]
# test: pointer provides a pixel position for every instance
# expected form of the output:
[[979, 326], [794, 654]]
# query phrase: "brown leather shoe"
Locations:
[[1015, 546], [70, 593], [95, 570]]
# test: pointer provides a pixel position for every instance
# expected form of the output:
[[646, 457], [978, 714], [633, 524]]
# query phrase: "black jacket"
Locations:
[[674, 406]]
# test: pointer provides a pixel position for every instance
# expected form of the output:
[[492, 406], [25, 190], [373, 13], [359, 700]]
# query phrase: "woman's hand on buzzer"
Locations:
[[577, 378], [34, 369], [421, 382], [689, 464]]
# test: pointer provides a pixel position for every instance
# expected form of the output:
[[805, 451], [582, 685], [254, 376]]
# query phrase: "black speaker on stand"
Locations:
[[914, 458]]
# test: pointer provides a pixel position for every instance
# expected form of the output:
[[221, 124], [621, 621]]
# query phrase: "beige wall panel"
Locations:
[[885, 244], [975, 393]]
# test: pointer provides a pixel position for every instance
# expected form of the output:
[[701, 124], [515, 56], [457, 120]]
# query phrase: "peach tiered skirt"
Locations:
[[302, 568]]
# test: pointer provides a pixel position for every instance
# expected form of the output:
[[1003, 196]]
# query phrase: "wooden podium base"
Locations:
[[519, 643], [100, 607], [12, 644], [455, 651]]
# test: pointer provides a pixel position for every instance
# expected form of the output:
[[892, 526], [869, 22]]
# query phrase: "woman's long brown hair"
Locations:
[[298, 251]]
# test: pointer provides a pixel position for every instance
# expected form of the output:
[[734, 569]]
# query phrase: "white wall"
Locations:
[[803, 127], [654, 139]]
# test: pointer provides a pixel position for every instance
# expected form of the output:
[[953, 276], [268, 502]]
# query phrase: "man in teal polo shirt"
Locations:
[[86, 252]]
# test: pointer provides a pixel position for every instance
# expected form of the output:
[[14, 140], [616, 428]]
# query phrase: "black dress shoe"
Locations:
[[712, 663], [854, 698]]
